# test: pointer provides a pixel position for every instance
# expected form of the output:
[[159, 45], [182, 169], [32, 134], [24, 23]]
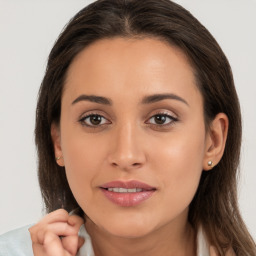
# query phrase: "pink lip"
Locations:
[[127, 199]]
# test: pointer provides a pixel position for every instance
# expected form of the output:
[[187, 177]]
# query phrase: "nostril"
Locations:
[[126, 166]]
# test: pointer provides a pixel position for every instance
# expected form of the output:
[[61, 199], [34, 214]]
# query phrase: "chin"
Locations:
[[128, 227], [128, 231]]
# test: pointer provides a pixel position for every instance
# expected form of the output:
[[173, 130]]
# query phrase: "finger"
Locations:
[[59, 215], [38, 250], [59, 229], [71, 244], [53, 245], [75, 220]]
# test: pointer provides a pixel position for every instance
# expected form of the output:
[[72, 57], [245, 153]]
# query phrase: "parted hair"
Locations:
[[215, 204]]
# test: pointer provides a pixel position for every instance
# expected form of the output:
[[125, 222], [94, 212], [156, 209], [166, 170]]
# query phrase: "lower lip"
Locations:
[[128, 199]]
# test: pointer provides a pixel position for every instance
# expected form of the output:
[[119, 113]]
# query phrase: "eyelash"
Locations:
[[162, 115]]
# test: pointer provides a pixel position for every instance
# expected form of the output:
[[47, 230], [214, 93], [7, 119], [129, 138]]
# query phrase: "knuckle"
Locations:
[[48, 237], [34, 230], [75, 220], [61, 212]]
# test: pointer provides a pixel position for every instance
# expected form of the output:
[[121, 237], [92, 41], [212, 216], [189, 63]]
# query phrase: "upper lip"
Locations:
[[127, 184]]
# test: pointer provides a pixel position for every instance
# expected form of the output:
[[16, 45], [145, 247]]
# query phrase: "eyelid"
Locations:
[[163, 112], [94, 112]]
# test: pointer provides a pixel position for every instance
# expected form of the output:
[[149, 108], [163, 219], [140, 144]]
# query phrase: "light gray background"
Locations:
[[28, 29]]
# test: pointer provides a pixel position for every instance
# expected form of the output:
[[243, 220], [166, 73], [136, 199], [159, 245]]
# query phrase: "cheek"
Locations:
[[82, 163], [179, 165]]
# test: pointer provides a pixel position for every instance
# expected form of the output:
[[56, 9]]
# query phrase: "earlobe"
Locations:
[[215, 141], [55, 134]]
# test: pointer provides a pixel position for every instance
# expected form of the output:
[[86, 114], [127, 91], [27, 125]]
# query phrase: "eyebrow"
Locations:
[[158, 97], [146, 100], [93, 98]]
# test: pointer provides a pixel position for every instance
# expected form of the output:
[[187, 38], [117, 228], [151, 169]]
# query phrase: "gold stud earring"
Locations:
[[210, 164], [58, 158]]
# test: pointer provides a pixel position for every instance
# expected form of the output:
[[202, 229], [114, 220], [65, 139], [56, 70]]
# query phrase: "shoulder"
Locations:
[[16, 243]]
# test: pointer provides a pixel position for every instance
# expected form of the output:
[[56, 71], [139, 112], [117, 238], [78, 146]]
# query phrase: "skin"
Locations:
[[45, 235], [129, 144]]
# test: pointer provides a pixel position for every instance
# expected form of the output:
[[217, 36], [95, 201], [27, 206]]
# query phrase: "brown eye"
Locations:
[[162, 119], [93, 120]]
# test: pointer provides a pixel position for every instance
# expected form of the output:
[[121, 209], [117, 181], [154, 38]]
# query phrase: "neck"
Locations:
[[172, 239]]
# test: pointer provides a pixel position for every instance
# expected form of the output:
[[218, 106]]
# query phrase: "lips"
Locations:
[[127, 194]]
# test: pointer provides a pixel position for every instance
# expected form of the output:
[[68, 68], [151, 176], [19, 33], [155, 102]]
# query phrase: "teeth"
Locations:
[[125, 190]]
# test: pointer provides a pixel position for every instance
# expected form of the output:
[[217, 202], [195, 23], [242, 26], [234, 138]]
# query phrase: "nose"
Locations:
[[127, 151]]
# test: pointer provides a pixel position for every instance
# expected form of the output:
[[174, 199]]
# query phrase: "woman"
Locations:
[[138, 132]]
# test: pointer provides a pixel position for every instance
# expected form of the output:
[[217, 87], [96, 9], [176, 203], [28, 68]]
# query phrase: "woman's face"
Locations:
[[132, 118]]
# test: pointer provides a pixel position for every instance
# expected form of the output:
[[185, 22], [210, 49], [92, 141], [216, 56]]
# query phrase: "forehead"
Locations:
[[133, 66]]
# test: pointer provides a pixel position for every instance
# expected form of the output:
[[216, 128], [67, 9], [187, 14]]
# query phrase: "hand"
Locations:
[[57, 234]]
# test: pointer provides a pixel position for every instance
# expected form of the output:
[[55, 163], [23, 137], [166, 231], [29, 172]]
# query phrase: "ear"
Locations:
[[215, 141], [55, 134]]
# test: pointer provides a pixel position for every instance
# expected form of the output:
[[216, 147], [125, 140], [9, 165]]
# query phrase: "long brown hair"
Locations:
[[215, 204]]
